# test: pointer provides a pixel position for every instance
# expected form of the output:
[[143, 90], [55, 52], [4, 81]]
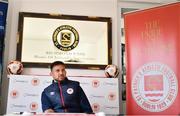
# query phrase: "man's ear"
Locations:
[[50, 73]]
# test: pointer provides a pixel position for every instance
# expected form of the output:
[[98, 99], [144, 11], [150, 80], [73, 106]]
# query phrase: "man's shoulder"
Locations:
[[50, 87], [73, 82]]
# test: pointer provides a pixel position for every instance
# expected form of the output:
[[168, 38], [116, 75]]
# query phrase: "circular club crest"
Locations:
[[95, 107], [33, 106], [154, 87], [70, 91], [112, 96], [14, 93], [35, 81], [65, 38], [95, 83]]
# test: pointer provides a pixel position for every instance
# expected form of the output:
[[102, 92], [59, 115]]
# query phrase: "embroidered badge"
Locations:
[[70, 91]]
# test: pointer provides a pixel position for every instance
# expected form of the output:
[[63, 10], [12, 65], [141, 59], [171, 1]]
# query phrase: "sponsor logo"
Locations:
[[111, 107], [65, 38], [95, 83], [1, 13], [35, 81], [84, 83], [33, 106], [110, 84], [30, 95], [96, 96], [112, 96], [70, 90], [1, 27], [19, 81], [18, 106], [14, 94], [154, 87], [95, 107], [52, 93]]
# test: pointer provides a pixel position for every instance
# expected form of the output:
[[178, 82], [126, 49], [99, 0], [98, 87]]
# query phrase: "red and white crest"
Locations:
[[95, 107], [95, 83], [154, 87], [33, 106], [112, 96], [35, 81], [14, 94]]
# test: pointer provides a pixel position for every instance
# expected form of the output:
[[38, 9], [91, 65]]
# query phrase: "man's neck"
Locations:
[[56, 81]]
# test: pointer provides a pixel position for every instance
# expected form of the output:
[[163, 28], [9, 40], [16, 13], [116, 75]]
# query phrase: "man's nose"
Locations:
[[60, 72]]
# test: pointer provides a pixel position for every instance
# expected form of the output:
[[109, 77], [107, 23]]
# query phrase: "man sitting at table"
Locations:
[[64, 95]]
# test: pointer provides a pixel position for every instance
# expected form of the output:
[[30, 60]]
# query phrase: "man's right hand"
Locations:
[[49, 111]]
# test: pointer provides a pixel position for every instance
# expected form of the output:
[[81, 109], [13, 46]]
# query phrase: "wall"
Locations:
[[103, 8]]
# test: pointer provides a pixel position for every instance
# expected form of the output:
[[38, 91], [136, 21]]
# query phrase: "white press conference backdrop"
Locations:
[[25, 93]]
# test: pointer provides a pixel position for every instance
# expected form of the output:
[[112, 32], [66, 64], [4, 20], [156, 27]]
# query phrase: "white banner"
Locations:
[[25, 93]]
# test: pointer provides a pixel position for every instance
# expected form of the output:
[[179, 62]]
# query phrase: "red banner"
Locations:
[[153, 60]]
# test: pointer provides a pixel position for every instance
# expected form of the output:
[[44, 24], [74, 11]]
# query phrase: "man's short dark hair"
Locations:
[[55, 63]]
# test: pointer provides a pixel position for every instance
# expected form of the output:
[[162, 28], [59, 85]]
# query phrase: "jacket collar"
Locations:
[[61, 82]]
